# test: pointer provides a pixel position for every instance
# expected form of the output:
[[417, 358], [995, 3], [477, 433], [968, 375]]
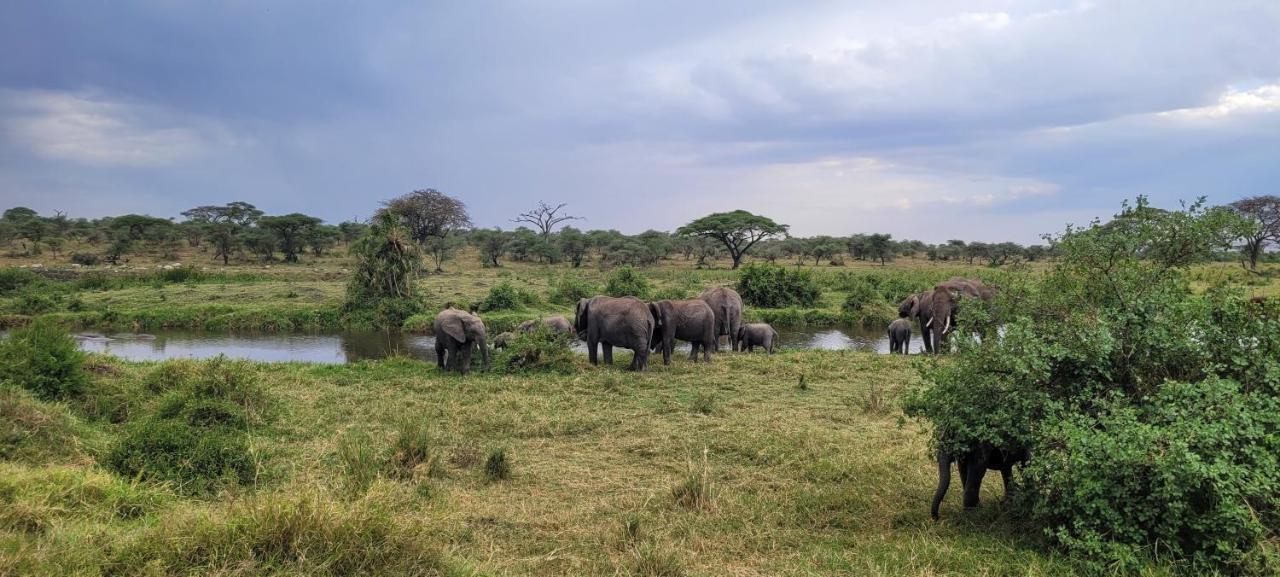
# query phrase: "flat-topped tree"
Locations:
[[738, 231]]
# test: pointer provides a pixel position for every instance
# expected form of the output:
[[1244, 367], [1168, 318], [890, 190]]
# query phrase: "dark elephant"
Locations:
[[457, 333], [558, 324], [625, 322], [947, 297], [973, 466], [919, 306], [727, 305], [752, 335], [900, 336], [689, 320]]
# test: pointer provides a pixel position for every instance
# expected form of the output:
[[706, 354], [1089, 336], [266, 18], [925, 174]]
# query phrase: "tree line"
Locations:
[[441, 226]]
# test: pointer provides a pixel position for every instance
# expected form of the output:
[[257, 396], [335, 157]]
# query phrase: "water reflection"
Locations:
[[357, 346]]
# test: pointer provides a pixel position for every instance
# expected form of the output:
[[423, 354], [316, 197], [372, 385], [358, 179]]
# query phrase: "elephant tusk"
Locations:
[[929, 324], [947, 327]]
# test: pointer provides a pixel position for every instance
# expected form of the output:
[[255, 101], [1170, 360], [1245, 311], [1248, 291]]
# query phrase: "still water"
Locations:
[[348, 347]]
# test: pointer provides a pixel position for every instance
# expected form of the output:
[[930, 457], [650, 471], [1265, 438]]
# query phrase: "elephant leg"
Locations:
[[693, 351], [973, 485], [706, 352], [944, 482], [591, 350], [1006, 475], [608, 353], [452, 362], [440, 353], [467, 348]]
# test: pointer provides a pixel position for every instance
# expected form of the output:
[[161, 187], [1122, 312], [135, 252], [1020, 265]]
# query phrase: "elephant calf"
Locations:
[[557, 324], [973, 466], [752, 335], [900, 336]]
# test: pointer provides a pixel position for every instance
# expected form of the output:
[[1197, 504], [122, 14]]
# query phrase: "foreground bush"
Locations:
[[627, 282], [197, 436], [32, 431], [44, 359], [381, 290], [1152, 413], [541, 349], [771, 286]]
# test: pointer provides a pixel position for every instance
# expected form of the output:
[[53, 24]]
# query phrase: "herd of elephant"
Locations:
[[605, 322], [932, 308]]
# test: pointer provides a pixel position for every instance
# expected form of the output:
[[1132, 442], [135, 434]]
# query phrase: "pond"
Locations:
[[345, 347]]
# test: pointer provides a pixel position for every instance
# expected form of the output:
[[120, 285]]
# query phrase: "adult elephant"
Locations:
[[726, 303], [919, 306], [457, 333], [947, 297], [973, 466], [690, 320], [625, 322], [558, 324]]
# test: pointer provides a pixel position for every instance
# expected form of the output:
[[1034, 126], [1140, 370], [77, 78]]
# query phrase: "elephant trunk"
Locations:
[[484, 354]]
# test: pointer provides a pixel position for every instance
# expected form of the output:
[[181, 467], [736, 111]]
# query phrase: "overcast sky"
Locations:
[[941, 119]]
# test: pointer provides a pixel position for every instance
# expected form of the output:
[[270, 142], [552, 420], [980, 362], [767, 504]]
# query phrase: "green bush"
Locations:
[[37, 432], [197, 436], [1152, 413], [627, 281], [34, 301], [772, 286], [505, 296], [13, 279], [569, 288], [178, 275], [44, 359], [861, 296], [541, 349]]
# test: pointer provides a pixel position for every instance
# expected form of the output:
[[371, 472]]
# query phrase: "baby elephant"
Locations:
[[900, 336], [752, 335]]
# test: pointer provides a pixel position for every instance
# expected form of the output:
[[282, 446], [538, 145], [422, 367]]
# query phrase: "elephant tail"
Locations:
[[944, 483]]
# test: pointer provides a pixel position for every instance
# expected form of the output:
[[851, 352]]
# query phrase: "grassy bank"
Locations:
[[731, 468]]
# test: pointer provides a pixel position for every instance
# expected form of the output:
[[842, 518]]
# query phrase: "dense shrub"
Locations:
[[12, 279], [505, 296], [541, 349], [44, 359], [197, 435], [772, 286], [861, 296], [381, 291], [1152, 413], [627, 281], [33, 431], [569, 288], [34, 301], [180, 274]]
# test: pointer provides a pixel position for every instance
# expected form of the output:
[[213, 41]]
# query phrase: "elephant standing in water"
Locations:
[[727, 306], [973, 466], [688, 320], [625, 322], [946, 302], [900, 336], [754, 335], [457, 332], [919, 306]]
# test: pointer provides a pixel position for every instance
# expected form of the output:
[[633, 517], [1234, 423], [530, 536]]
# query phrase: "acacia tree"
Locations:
[[430, 217], [224, 225], [544, 218], [291, 230], [1264, 212], [738, 231]]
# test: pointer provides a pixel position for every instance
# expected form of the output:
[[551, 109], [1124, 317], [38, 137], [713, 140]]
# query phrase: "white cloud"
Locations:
[[93, 130], [1233, 101]]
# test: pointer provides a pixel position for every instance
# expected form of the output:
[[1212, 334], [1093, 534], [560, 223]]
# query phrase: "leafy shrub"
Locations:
[[505, 296], [85, 258], [541, 349], [627, 281], [197, 435], [44, 359], [569, 288], [35, 301], [772, 286], [1152, 413], [671, 293], [497, 467], [12, 279], [178, 275], [859, 297]]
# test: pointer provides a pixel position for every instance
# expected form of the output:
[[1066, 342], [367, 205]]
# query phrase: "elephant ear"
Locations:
[[655, 309], [474, 326], [454, 327]]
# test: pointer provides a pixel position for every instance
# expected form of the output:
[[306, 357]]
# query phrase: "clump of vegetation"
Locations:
[[771, 286], [505, 296], [33, 431], [360, 460], [703, 403], [44, 359], [541, 349], [1150, 411], [860, 297], [569, 288], [649, 560], [694, 490], [627, 281], [13, 279], [36, 498], [497, 467], [381, 291], [85, 258], [414, 452], [197, 436]]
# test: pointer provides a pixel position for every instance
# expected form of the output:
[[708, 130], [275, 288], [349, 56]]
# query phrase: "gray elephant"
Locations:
[[690, 320], [727, 305], [919, 306], [457, 333], [946, 302], [625, 322], [557, 324], [973, 466], [503, 339], [900, 336], [752, 335]]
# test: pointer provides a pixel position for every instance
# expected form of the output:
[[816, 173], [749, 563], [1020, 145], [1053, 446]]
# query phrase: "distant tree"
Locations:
[[707, 249], [573, 245], [1003, 253], [770, 250], [350, 231], [443, 248], [321, 239], [738, 231], [491, 244], [657, 243], [140, 226], [194, 232], [225, 225], [19, 213], [880, 247], [1264, 214], [290, 230], [429, 213], [823, 247], [545, 217]]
